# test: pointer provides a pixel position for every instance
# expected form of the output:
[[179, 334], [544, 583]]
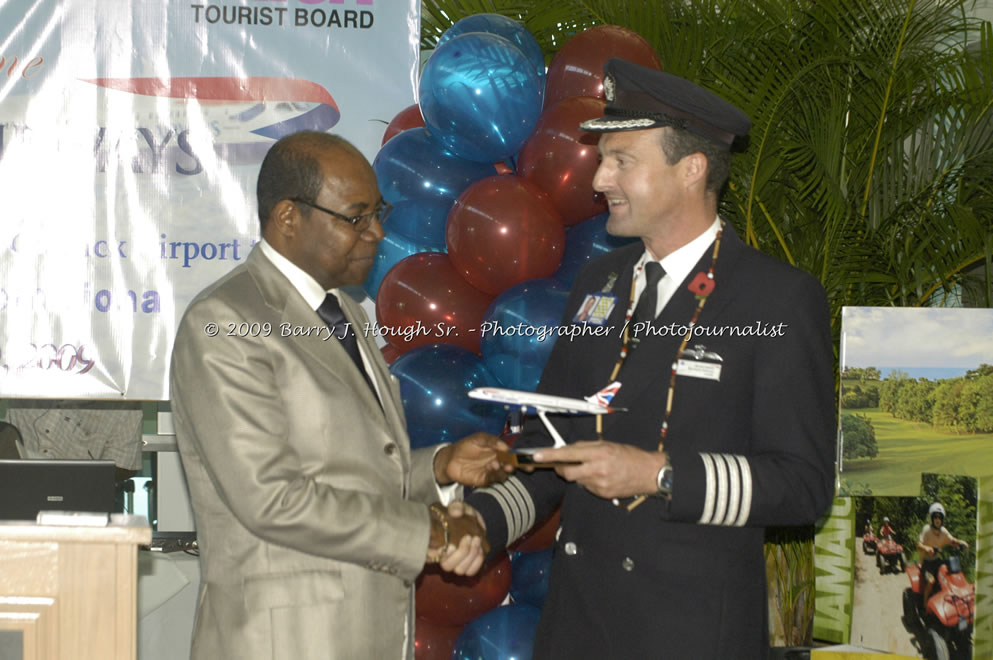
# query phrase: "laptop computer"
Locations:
[[29, 486]]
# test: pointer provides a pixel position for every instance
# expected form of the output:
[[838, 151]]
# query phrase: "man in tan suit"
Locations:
[[311, 510]]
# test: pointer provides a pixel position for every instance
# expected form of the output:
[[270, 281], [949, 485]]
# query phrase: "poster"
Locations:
[[916, 397], [130, 138], [891, 610]]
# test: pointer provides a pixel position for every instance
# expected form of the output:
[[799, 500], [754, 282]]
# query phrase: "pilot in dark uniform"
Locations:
[[725, 361]]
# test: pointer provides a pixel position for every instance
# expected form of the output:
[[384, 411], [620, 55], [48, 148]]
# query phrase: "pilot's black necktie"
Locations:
[[645, 309], [330, 312]]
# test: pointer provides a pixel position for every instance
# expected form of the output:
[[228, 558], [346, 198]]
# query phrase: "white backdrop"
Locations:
[[127, 170]]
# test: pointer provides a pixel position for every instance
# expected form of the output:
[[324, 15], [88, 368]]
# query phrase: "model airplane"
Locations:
[[595, 404]]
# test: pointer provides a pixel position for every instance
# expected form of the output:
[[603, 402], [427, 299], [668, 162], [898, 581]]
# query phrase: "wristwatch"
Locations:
[[664, 480]]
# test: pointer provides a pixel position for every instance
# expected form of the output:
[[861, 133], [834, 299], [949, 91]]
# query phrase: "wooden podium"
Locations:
[[70, 592]]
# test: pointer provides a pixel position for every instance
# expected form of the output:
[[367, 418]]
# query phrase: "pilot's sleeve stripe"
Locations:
[[722, 489], [709, 495], [727, 491], [746, 491], [516, 504], [734, 491]]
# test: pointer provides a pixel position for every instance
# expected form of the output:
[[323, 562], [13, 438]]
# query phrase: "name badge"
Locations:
[[696, 369], [596, 308]]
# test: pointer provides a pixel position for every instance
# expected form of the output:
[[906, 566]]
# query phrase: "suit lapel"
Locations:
[[606, 350], [295, 313], [378, 369]]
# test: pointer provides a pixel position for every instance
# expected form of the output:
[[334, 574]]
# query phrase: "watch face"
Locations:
[[665, 480]]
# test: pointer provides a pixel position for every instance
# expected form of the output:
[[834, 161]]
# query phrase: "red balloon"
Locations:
[[409, 117], [434, 641], [423, 300], [577, 69], [503, 230], [540, 537], [454, 600], [561, 158], [503, 168]]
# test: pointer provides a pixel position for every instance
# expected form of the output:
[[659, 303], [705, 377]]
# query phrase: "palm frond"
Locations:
[[871, 130]]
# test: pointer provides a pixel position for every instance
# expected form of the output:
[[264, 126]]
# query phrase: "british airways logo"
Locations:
[[205, 120], [259, 89]]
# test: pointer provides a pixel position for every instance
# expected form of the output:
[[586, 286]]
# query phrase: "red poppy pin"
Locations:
[[702, 285]]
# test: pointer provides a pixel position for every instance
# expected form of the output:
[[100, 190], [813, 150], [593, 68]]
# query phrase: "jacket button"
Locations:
[[627, 564], [570, 548], [390, 449]]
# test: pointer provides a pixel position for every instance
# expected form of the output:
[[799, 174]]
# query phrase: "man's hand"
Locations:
[[607, 469], [472, 461], [467, 545], [460, 509]]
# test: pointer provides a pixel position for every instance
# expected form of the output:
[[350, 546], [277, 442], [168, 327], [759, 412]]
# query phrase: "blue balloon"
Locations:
[[421, 221], [434, 381], [504, 633], [508, 28], [518, 331], [584, 242], [414, 166], [480, 97], [529, 573], [393, 248]]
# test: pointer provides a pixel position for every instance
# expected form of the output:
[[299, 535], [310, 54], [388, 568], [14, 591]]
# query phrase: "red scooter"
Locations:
[[868, 543], [946, 620], [889, 556]]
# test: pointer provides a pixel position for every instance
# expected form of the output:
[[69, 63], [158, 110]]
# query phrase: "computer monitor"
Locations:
[[29, 486]]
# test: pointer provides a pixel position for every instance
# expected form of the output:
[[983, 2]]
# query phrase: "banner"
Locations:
[[131, 134], [834, 551]]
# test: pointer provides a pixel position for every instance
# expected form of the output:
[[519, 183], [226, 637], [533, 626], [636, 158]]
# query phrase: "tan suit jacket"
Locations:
[[305, 491]]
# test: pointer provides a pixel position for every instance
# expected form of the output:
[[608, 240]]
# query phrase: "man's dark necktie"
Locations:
[[330, 312], [645, 310]]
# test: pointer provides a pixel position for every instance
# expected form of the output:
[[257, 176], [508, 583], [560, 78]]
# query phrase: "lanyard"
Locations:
[[703, 285]]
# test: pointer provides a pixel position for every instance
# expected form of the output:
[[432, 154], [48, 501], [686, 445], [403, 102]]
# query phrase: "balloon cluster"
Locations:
[[491, 180]]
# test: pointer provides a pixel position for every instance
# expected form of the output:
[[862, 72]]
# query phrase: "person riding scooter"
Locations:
[[886, 531], [934, 537]]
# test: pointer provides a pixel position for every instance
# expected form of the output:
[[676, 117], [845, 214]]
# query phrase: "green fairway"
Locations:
[[906, 449]]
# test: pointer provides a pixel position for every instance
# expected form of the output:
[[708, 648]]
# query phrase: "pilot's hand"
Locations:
[[468, 546], [466, 558], [607, 469]]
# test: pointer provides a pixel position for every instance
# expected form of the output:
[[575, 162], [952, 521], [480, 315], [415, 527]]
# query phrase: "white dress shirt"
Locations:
[[677, 265]]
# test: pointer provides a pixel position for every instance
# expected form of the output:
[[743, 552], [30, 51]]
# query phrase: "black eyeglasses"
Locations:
[[358, 222]]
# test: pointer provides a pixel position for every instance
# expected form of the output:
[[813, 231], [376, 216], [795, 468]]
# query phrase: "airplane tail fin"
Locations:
[[606, 395]]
